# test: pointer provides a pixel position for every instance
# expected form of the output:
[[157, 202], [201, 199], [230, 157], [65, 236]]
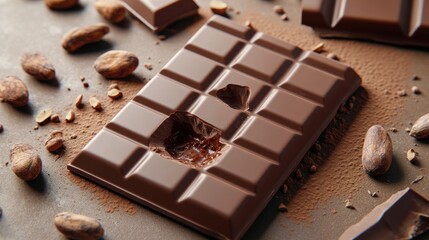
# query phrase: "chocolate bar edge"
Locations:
[[157, 29]]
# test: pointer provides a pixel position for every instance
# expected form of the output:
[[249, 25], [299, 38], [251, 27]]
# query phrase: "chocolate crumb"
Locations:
[[416, 90], [73, 136], [82, 78], [162, 37], [279, 9], [407, 129], [156, 42], [313, 168], [1, 212], [68, 89], [85, 85], [282, 207], [1, 128], [36, 127], [417, 179]]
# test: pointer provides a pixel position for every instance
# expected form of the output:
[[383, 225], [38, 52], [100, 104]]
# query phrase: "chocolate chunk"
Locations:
[[157, 15], [391, 21], [151, 150], [403, 216]]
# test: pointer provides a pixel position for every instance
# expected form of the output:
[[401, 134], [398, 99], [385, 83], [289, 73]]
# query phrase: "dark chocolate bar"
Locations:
[[212, 137], [402, 22], [405, 215], [158, 14]]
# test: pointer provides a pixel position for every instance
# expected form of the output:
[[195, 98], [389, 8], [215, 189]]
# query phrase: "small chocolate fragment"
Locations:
[[235, 96], [187, 139], [1, 128], [157, 15], [61, 4], [403, 216], [411, 155], [319, 48]]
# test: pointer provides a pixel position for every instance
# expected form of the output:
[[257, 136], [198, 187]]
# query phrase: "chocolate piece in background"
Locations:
[[404, 215], [158, 14], [294, 96], [392, 21]]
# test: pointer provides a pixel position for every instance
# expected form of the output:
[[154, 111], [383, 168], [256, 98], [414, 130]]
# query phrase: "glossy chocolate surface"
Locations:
[[400, 22], [404, 215], [294, 94], [158, 14]]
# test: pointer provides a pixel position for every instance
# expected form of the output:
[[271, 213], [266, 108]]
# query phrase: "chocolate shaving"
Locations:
[[235, 96], [188, 139]]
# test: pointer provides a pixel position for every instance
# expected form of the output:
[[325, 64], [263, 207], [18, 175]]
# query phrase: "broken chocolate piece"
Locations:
[[188, 139], [403, 216], [235, 96], [157, 14], [391, 21]]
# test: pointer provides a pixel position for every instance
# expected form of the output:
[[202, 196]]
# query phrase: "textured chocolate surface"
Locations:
[[403, 216], [400, 22], [294, 94], [158, 14]]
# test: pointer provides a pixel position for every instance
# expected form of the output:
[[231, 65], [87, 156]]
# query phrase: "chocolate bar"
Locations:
[[399, 22], [212, 137], [158, 14], [405, 215]]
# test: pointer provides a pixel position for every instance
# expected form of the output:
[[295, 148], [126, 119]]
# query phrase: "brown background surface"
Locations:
[[316, 208]]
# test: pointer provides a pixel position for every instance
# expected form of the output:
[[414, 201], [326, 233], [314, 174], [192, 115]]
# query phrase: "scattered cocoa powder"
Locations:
[[341, 142]]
